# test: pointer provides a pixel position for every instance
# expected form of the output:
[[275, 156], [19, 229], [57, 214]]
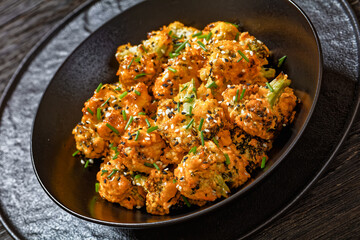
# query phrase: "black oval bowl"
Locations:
[[280, 24]]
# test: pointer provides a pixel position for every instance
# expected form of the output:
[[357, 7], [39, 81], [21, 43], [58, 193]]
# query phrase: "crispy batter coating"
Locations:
[[200, 175], [261, 112], [117, 187], [162, 192]]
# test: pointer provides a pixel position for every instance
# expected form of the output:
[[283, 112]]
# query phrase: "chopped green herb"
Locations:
[[181, 46], [116, 154], [190, 123], [75, 153], [237, 36], [242, 94], [178, 106], [174, 180], [184, 88], [249, 47], [131, 119], [227, 159], [270, 87], [137, 135], [237, 26], [202, 138], [170, 32], [176, 37], [124, 114], [192, 150], [240, 59], [141, 113], [138, 59], [130, 63], [202, 36], [148, 164], [208, 36], [140, 75], [137, 176], [97, 187], [236, 96], [86, 164], [123, 95], [156, 166], [137, 92], [212, 85], [263, 162], [177, 44], [186, 201], [112, 173], [89, 110], [197, 34], [99, 87], [118, 89], [216, 141], [201, 123], [281, 61], [243, 55], [142, 46], [194, 90], [151, 129], [172, 69], [111, 145], [147, 122], [98, 113], [102, 105], [112, 128], [103, 172], [172, 55], [190, 111], [202, 46]]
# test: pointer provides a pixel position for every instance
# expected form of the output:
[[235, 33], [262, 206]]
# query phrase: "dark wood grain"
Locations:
[[330, 210]]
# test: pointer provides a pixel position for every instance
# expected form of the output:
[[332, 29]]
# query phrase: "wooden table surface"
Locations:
[[331, 209]]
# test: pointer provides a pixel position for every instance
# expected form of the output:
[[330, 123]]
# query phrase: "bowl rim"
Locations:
[[216, 205]]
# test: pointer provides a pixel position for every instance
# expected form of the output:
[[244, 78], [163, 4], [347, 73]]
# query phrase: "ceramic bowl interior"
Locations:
[[278, 23]]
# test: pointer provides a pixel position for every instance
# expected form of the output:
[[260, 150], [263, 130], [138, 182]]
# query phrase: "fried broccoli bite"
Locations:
[[252, 149], [222, 30], [179, 30], [139, 149], [230, 63], [136, 65], [103, 117], [179, 70], [161, 192], [175, 128], [255, 46], [200, 175], [116, 187], [208, 117], [261, 111], [88, 141], [236, 174]]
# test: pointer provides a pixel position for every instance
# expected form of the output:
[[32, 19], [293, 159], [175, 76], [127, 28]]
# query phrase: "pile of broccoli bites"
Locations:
[[193, 114]]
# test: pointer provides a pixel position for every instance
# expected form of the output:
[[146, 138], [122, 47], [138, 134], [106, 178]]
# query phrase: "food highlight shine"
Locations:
[[194, 113]]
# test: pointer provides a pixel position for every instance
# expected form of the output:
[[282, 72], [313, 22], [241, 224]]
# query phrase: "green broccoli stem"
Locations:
[[221, 183], [278, 85], [268, 73]]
